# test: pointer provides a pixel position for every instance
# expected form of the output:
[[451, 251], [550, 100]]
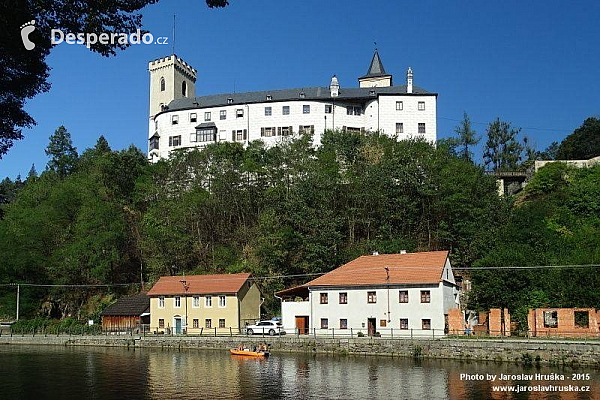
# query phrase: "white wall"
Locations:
[[289, 311]]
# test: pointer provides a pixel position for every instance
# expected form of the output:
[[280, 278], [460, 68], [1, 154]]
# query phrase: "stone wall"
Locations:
[[511, 350]]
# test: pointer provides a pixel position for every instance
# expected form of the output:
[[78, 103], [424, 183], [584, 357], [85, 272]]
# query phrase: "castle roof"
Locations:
[[376, 68], [358, 95]]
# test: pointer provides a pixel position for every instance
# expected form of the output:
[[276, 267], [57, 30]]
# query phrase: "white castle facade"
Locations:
[[179, 119]]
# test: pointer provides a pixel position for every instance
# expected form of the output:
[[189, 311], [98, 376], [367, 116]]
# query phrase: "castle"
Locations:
[[179, 119]]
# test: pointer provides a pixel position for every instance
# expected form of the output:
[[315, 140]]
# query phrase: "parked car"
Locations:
[[266, 327]]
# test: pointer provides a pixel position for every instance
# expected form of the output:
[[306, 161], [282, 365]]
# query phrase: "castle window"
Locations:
[[223, 114], [353, 110], [154, 143], [285, 110], [306, 109], [268, 111], [328, 108], [239, 113], [175, 141], [206, 135], [207, 116], [421, 106], [399, 106], [193, 117], [175, 119], [421, 127], [399, 127], [184, 89], [162, 84]]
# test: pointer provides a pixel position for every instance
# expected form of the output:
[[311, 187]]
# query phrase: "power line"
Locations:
[[528, 267], [522, 127]]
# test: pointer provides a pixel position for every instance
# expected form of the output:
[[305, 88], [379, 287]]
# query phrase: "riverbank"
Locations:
[[526, 351]]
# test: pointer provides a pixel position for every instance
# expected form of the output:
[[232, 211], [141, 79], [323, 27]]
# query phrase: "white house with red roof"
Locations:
[[406, 294], [204, 303]]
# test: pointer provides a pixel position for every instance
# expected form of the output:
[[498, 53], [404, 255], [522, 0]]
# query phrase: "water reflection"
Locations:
[[114, 373]]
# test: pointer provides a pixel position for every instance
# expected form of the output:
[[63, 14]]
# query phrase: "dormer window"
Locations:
[[372, 92], [269, 97], [230, 101], [302, 95]]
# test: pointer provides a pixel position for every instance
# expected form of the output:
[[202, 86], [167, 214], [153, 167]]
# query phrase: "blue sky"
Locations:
[[534, 64]]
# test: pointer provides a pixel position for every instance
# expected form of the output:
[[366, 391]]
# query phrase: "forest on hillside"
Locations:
[[110, 217]]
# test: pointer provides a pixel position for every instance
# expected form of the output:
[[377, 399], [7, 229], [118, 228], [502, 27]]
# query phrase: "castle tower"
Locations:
[[170, 78], [376, 75]]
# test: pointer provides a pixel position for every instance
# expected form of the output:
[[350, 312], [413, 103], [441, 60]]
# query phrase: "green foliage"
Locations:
[[63, 155], [502, 150], [465, 137], [583, 143], [53, 327]]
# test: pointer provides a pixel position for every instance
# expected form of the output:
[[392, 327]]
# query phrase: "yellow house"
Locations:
[[203, 303]]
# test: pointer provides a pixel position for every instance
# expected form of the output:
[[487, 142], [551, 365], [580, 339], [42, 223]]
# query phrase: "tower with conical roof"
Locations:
[[376, 75]]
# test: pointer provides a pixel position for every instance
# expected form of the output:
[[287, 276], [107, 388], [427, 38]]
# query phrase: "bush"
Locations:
[[54, 327]]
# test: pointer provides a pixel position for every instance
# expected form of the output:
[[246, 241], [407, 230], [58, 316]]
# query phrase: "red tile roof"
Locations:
[[199, 284], [409, 268]]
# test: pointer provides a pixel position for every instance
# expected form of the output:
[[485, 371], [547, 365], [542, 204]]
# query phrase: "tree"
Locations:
[[32, 173], [550, 152], [466, 137], [25, 72], [63, 155], [583, 143], [502, 149]]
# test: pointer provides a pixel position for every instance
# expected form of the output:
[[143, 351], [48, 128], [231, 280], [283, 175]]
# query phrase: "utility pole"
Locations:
[[18, 294], [387, 271], [186, 286]]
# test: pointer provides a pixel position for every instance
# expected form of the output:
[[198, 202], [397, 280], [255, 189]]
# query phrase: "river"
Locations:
[[53, 372]]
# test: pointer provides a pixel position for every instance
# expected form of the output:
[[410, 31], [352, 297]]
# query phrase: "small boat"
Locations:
[[249, 353]]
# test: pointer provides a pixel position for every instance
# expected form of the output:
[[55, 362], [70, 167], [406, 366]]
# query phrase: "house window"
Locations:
[[426, 324], [208, 323], [399, 127], [177, 302], [285, 110], [324, 298], [193, 117], [222, 301], [268, 111], [196, 301], [223, 114], [343, 323], [324, 323], [207, 116], [403, 323], [328, 108], [399, 106], [421, 127], [175, 141], [425, 296], [206, 135], [208, 301], [421, 106], [161, 302], [239, 113], [582, 319], [550, 319], [154, 143], [403, 298], [344, 298], [195, 323], [161, 323], [239, 135], [306, 109], [162, 84], [382, 323], [371, 297], [174, 119], [221, 322]]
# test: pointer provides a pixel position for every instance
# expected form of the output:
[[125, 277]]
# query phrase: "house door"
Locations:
[[178, 326], [302, 325], [371, 326]]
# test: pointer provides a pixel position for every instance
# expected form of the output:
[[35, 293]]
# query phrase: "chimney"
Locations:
[[409, 80], [402, 251], [375, 253], [334, 87]]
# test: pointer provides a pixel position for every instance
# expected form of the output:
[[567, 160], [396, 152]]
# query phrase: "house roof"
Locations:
[[199, 284], [128, 306], [376, 68], [358, 95]]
